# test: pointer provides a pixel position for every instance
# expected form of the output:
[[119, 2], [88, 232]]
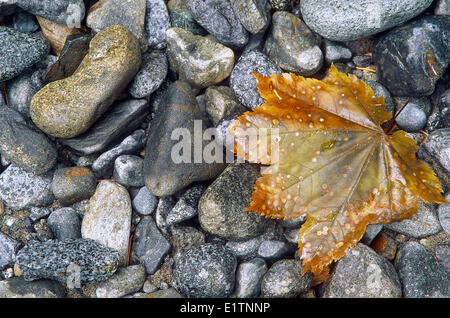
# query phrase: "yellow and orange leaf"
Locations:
[[335, 162]]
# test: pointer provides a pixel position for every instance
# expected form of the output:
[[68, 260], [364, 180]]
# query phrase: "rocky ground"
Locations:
[[92, 204]]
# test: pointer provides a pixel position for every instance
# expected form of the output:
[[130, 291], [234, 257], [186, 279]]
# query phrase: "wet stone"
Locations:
[[221, 102], [25, 22], [218, 18], [17, 287], [413, 57], [336, 52], [272, 249], [157, 21], [63, 260], [244, 84], [21, 89], [128, 171], [113, 60], [144, 202], [206, 271], [254, 15], [186, 207], [62, 11], [372, 230], [73, 184], [182, 18], [165, 205], [248, 278], [65, 224], [37, 213], [184, 238], [380, 90]]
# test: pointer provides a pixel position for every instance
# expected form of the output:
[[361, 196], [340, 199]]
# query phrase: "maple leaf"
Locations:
[[335, 162]]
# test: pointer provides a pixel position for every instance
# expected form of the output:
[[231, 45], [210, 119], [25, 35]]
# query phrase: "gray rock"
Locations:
[[183, 18], [362, 273], [221, 208], [371, 232], [255, 42], [165, 205], [346, 20], [151, 75], [272, 249], [103, 165], [8, 249], [380, 90], [186, 237], [424, 223], [218, 18], [292, 46], [420, 274], [80, 207], [156, 23], [414, 116], [107, 219], [284, 280], [21, 90], [118, 122], [23, 144], [73, 184], [438, 146], [65, 224], [144, 202], [198, 60], [20, 189], [442, 252], [336, 52], [70, 262], [444, 214], [23, 51], [186, 207], [25, 22], [254, 15], [245, 250], [206, 271], [244, 83], [410, 59], [18, 288], [442, 7], [37, 213], [128, 170], [149, 245], [249, 276], [70, 12], [7, 7], [126, 280], [221, 102]]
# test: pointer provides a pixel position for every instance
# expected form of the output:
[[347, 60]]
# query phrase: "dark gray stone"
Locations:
[[115, 124], [255, 42], [412, 58], [206, 271], [420, 274], [292, 46], [7, 7], [218, 18], [345, 20], [184, 19], [380, 90], [82, 260], [221, 208], [248, 278], [293, 223], [25, 145], [336, 52], [65, 224], [17, 287], [152, 73], [20, 189], [144, 202], [412, 118], [221, 102], [284, 280], [254, 15], [22, 50], [21, 90], [69, 12], [166, 171], [165, 205], [244, 83], [444, 214], [185, 237], [128, 170], [157, 21], [73, 184], [362, 273], [8, 249], [438, 146], [103, 165], [25, 22], [245, 250], [186, 207], [149, 245]]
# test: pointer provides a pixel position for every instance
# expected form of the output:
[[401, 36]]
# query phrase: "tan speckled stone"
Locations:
[[68, 107]]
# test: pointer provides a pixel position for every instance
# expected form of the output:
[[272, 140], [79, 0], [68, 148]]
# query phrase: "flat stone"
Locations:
[[122, 119], [65, 224], [198, 60], [362, 273], [284, 280], [218, 18], [70, 262], [157, 22], [73, 184], [186, 207], [221, 208], [126, 280], [221, 102], [424, 223], [165, 172], [249, 276], [346, 20], [23, 51], [128, 171], [244, 84], [56, 34], [8, 249], [444, 214], [153, 72], [438, 146], [413, 57], [91, 90], [107, 219], [206, 271], [17, 287], [254, 15], [149, 245], [144, 202], [37, 213], [23, 144], [20, 189], [420, 274], [69, 12]]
